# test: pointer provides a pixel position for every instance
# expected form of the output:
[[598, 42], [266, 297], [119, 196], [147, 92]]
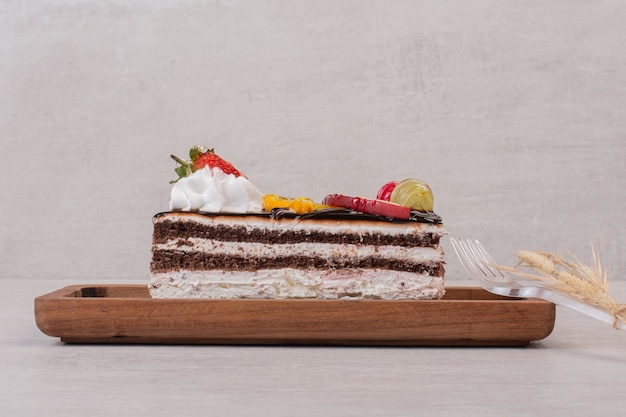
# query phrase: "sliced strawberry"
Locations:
[[368, 206], [200, 158], [212, 160]]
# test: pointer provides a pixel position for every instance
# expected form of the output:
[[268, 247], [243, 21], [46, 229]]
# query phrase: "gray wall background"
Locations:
[[512, 111]]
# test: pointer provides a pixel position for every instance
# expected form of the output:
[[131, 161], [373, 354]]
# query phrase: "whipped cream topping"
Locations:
[[212, 190]]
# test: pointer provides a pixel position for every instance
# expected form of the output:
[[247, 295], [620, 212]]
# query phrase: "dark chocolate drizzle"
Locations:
[[330, 214]]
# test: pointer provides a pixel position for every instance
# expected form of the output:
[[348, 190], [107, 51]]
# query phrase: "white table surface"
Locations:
[[579, 370]]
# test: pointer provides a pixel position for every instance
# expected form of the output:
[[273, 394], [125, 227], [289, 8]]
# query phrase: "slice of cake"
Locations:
[[223, 239]]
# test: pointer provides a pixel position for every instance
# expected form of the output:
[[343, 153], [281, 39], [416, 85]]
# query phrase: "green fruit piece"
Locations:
[[413, 193]]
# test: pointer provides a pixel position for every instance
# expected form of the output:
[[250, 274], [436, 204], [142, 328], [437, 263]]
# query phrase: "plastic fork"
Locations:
[[477, 262]]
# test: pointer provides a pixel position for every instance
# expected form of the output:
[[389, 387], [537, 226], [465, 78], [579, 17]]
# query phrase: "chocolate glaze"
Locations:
[[331, 214]]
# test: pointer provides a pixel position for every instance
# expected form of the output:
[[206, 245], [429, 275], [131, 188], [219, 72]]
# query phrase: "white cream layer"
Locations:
[[318, 250], [295, 283]]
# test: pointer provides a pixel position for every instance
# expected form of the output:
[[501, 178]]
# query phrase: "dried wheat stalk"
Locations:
[[589, 284]]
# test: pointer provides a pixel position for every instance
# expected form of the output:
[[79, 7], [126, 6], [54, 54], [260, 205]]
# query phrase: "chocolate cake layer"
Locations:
[[168, 260]]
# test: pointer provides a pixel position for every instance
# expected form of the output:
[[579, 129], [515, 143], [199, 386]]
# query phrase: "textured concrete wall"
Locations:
[[512, 111]]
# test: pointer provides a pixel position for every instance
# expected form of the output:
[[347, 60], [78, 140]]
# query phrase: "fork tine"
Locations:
[[480, 251], [468, 262], [467, 258], [476, 261], [476, 257], [485, 259]]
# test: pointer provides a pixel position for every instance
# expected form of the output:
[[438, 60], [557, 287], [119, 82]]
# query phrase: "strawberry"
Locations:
[[369, 206], [212, 160], [200, 158]]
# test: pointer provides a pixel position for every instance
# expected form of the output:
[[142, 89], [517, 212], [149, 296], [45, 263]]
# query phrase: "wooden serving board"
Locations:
[[466, 316]]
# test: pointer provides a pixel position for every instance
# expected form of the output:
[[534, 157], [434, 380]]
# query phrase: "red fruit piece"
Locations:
[[200, 158], [368, 206], [212, 160], [385, 191]]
